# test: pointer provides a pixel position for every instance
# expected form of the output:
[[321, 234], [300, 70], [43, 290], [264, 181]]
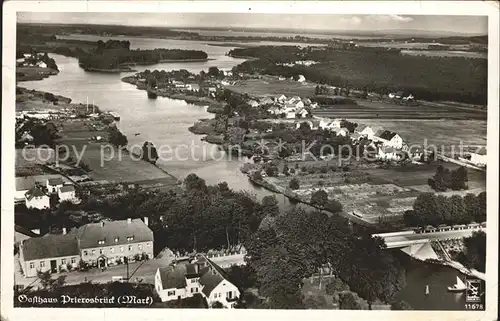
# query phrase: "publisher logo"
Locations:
[[474, 291]]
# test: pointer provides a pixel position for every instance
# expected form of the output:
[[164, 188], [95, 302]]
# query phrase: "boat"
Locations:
[[457, 287], [137, 134], [427, 290]]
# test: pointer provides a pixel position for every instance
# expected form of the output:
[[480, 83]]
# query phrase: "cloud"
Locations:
[[390, 18], [352, 20]]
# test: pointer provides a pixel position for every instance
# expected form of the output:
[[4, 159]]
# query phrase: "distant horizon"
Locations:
[[299, 23]]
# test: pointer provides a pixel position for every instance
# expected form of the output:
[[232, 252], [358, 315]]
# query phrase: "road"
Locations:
[[144, 270], [407, 238]]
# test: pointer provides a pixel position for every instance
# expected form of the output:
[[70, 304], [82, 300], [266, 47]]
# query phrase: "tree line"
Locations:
[[427, 78], [445, 179], [432, 209], [294, 245]]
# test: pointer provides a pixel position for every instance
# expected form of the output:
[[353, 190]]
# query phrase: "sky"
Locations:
[[460, 24]]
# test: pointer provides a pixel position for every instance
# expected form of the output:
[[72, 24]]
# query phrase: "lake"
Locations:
[[165, 122]]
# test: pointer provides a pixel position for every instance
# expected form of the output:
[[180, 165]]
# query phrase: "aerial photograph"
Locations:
[[250, 161]]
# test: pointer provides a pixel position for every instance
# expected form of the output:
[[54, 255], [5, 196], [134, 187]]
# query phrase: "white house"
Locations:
[[389, 139], [275, 110], [328, 124], [41, 64], [477, 159], [366, 131], [340, 131], [252, 103], [281, 98], [290, 114], [66, 193], [386, 153], [202, 277], [54, 184], [303, 113], [266, 101], [296, 105], [313, 105], [293, 99], [301, 78], [312, 124], [36, 198]]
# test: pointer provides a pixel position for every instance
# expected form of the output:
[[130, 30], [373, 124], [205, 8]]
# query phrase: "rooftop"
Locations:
[[113, 233], [34, 192], [173, 276], [55, 181], [385, 134], [50, 246], [67, 188]]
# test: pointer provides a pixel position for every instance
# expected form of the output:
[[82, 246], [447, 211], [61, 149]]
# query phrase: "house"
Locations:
[[389, 138], [340, 131], [397, 95], [202, 276], [26, 137], [52, 252], [386, 153], [41, 64], [313, 124], [266, 101], [328, 124], [281, 98], [98, 244], [66, 193], [54, 184], [313, 105], [195, 87], [290, 114], [296, 104], [365, 131], [478, 159], [252, 103], [107, 243], [301, 78], [275, 110], [303, 113], [36, 198], [307, 101]]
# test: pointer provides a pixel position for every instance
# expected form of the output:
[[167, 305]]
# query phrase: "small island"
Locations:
[[116, 56]]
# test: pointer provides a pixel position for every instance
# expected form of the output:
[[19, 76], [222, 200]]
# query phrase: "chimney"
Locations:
[[64, 231], [146, 220], [129, 220], [102, 223], [196, 268]]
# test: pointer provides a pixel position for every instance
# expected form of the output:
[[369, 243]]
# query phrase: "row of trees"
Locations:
[[200, 218], [296, 244], [432, 209], [445, 179], [104, 58], [428, 78]]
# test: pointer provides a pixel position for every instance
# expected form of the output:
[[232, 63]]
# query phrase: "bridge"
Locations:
[[417, 242]]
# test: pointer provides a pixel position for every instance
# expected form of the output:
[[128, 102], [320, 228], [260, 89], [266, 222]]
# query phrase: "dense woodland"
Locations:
[[427, 78], [113, 54]]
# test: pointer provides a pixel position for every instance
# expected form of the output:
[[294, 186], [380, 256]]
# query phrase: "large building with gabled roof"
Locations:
[[97, 244]]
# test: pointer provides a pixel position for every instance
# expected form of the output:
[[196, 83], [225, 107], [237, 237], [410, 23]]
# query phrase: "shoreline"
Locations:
[[67, 103], [190, 99]]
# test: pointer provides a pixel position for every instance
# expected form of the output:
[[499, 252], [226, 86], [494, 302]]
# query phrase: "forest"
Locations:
[[427, 78], [112, 54]]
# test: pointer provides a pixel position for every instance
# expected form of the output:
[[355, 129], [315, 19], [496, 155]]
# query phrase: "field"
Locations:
[[114, 166], [387, 110], [272, 86], [376, 193]]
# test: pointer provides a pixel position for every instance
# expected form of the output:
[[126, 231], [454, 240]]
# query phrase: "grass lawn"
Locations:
[[271, 86]]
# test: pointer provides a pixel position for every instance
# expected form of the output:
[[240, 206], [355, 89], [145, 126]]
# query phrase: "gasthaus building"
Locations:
[[97, 244]]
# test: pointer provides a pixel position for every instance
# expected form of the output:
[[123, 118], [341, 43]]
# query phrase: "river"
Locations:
[[165, 122]]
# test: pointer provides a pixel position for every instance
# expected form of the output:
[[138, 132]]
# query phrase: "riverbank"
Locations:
[[34, 73], [88, 139], [109, 71], [188, 98]]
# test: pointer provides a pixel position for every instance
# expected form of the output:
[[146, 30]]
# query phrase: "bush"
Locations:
[[294, 184]]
